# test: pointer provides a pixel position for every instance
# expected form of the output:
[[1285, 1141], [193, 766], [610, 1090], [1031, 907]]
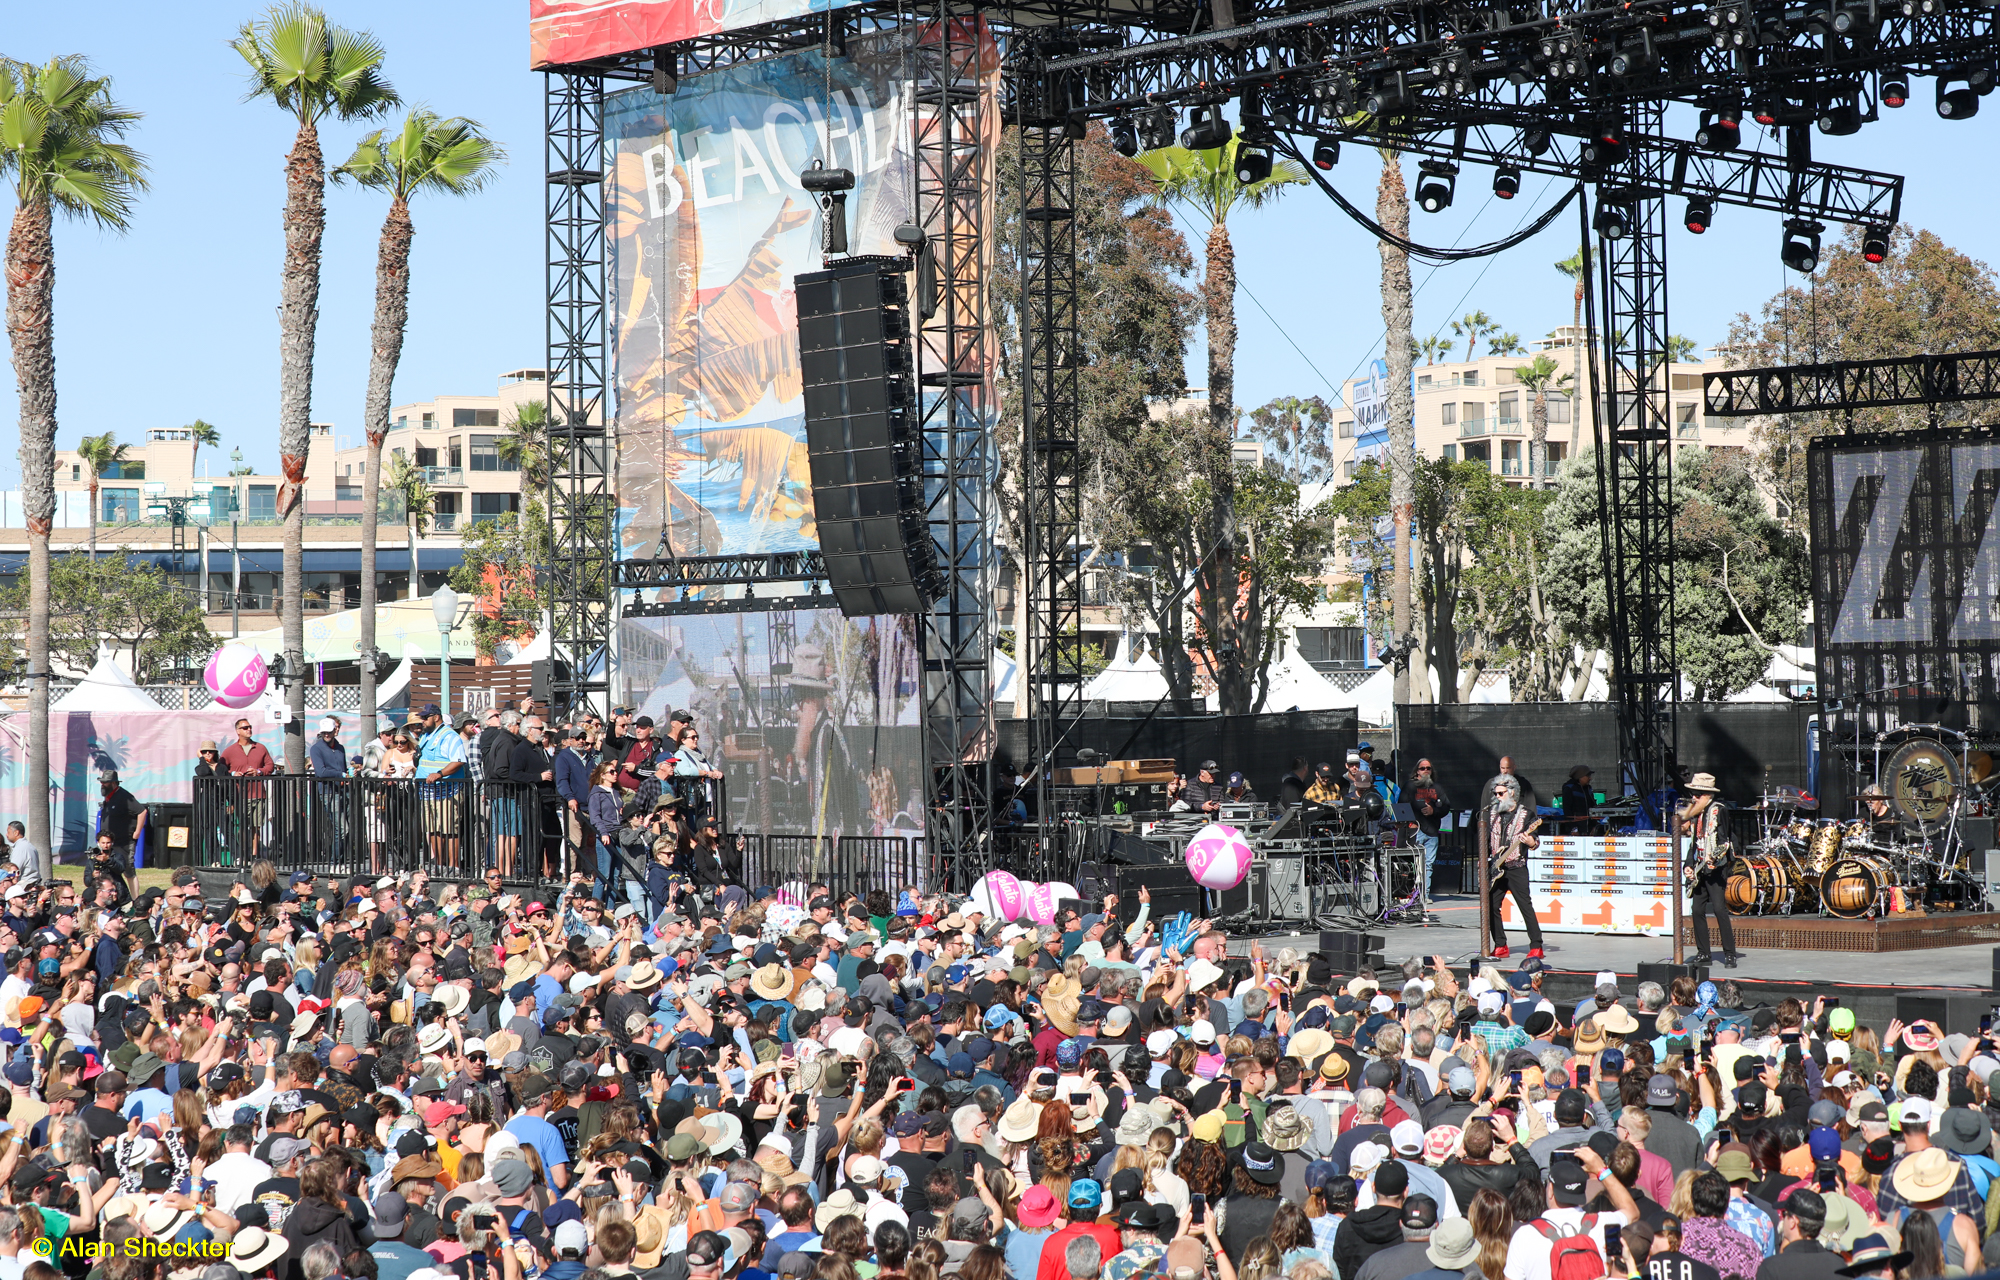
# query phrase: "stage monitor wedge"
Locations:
[[863, 449]]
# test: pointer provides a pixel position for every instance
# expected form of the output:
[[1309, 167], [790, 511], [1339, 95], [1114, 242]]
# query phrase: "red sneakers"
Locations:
[[1500, 953], [1534, 953]]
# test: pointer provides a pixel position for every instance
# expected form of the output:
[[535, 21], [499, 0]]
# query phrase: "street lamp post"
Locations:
[[444, 608]]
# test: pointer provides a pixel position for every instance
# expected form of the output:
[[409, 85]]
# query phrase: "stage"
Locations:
[[1953, 983]]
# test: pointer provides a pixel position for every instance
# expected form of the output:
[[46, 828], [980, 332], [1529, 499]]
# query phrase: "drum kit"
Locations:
[[1911, 856]]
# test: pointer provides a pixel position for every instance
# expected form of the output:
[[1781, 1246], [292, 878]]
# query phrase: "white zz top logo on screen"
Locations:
[[1978, 614]]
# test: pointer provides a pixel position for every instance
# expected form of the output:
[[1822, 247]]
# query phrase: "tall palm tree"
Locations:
[[449, 157], [1392, 211], [1205, 182], [525, 447], [1505, 344], [100, 454], [1572, 267], [1538, 376], [419, 502], [1434, 347], [61, 146], [1473, 326], [202, 433], [310, 70]]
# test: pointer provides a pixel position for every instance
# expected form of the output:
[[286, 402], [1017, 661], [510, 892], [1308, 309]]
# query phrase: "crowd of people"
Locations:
[[399, 1079], [501, 788]]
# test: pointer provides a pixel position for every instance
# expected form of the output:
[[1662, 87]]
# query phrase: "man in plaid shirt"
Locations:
[[1959, 1197], [1496, 1028]]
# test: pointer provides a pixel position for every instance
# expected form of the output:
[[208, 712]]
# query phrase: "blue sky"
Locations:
[[177, 319]]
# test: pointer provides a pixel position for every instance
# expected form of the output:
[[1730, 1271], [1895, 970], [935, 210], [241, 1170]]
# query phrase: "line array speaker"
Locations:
[[863, 442]]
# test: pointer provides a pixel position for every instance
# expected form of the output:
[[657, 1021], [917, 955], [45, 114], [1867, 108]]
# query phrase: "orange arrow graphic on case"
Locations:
[[1602, 916]]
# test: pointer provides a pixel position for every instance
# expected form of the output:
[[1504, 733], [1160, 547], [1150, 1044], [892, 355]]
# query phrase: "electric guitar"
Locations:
[[1501, 857], [1693, 869]]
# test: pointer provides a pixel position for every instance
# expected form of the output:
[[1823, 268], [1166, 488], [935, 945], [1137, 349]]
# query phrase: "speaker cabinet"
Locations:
[[1173, 890], [1282, 883], [863, 450]]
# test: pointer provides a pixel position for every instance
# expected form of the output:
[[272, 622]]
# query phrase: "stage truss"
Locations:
[[1577, 92]]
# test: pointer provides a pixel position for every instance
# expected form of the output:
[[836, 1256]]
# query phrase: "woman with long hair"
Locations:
[[1492, 1222], [1203, 1166], [1260, 1261], [1327, 1206], [984, 1263], [188, 1129], [264, 882], [1926, 1247], [1292, 1234], [892, 1250]]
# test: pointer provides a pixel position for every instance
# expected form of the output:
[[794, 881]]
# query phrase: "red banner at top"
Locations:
[[569, 31]]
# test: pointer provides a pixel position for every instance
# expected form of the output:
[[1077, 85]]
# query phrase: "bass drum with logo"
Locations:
[[1762, 883], [1858, 886]]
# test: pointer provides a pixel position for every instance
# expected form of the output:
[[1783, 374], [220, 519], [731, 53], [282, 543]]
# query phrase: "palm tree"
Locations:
[[1392, 211], [1680, 349], [1572, 267], [1505, 344], [100, 454], [311, 70], [1473, 326], [450, 157], [1435, 348], [525, 448], [1205, 182], [1538, 375], [419, 502], [202, 433], [60, 145]]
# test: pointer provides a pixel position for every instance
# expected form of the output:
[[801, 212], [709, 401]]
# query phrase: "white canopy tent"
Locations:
[[105, 689], [1132, 676], [1296, 686]]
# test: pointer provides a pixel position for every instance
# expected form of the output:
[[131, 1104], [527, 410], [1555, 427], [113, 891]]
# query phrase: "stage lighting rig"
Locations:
[[1206, 129], [1634, 59], [1124, 136], [1388, 98], [1700, 215], [1605, 148], [1728, 28], [1840, 111], [1895, 88], [665, 81], [831, 186], [1721, 129], [1859, 20], [1801, 247], [1326, 154], [1253, 162], [1436, 184], [1956, 104], [1875, 242], [1156, 128], [1613, 220], [1506, 182], [1535, 140]]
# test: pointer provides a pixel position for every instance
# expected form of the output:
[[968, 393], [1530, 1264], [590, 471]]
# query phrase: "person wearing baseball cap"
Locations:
[[1085, 1205]]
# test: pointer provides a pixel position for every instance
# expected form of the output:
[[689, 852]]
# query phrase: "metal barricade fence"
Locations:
[[349, 826]]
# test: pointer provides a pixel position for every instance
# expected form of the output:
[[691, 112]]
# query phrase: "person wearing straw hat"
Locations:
[[1703, 827], [1922, 1180]]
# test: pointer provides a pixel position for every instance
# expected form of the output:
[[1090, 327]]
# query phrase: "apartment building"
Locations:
[[1478, 411]]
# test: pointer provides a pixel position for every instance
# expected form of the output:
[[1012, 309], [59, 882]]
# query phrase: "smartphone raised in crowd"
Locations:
[[1687, 1059], [1516, 1078], [1614, 1239], [1582, 1074], [1197, 1208]]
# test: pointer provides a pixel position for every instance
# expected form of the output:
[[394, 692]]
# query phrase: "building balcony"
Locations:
[[1508, 427], [444, 477], [445, 522], [1475, 427]]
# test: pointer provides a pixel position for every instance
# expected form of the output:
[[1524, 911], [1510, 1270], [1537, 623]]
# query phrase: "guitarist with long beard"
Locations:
[[1509, 835], [1704, 822]]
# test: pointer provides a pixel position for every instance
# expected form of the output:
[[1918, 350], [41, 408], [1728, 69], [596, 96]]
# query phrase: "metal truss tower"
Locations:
[[1050, 670], [952, 370], [1635, 473], [581, 502]]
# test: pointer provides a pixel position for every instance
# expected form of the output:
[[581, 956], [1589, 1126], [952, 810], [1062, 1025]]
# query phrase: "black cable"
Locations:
[[1415, 250]]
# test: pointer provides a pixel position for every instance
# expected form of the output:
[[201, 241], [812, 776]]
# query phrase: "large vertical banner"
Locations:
[[1906, 576], [813, 717], [708, 226]]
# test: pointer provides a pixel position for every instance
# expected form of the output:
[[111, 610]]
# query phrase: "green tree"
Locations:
[[1298, 438], [1539, 377], [1681, 349], [497, 567], [311, 70], [525, 447], [1205, 183], [1572, 267], [1719, 518], [428, 154], [1435, 348], [1473, 326], [412, 489], [1924, 297], [203, 434], [100, 454], [62, 148], [1505, 344], [121, 602], [1132, 327]]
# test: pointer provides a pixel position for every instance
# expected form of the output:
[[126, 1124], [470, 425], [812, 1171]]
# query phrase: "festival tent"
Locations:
[[1131, 676], [1003, 677], [400, 626], [106, 689], [1296, 686]]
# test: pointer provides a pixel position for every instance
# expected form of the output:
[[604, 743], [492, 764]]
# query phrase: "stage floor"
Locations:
[[1456, 936]]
